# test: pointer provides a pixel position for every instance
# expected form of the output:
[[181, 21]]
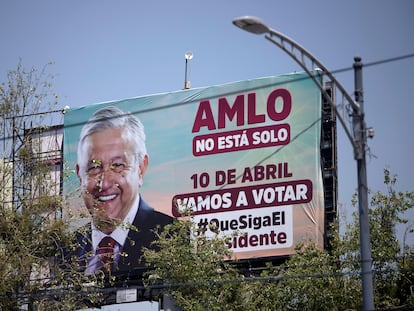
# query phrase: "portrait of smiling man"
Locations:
[[111, 163]]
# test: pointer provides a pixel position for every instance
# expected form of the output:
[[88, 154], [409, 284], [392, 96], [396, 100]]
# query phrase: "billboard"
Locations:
[[243, 156]]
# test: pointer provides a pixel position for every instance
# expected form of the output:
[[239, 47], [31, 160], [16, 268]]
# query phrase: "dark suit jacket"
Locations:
[[131, 266]]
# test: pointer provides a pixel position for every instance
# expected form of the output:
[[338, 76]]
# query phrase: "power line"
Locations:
[[190, 100], [58, 292], [389, 60]]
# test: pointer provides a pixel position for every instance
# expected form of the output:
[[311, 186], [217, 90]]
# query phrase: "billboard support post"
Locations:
[[358, 140], [188, 56]]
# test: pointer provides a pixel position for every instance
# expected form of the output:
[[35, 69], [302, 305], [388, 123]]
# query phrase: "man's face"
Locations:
[[111, 179]]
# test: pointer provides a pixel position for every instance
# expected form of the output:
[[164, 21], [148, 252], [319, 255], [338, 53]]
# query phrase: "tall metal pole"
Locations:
[[188, 56], [185, 77], [309, 63], [360, 133]]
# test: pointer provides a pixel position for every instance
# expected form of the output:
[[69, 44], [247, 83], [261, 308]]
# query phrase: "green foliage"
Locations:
[[195, 269], [32, 233], [310, 280], [387, 211], [26, 91]]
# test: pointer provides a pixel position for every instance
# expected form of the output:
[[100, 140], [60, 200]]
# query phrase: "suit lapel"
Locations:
[[138, 237]]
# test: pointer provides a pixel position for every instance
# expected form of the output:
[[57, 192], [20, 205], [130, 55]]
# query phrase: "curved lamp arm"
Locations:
[[310, 64]]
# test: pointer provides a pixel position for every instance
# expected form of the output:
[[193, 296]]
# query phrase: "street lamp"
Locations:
[[358, 139]]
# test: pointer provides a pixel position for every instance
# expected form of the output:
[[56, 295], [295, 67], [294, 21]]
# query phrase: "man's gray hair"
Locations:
[[114, 118]]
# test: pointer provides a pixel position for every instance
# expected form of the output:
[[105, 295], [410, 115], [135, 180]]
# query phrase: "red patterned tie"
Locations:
[[105, 252]]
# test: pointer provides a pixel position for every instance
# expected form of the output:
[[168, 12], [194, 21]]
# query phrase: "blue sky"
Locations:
[[107, 50]]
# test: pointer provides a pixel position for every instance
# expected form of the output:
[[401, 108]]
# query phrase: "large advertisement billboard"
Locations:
[[244, 157]]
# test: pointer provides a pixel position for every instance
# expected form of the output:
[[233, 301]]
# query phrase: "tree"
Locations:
[[202, 277], [32, 232], [388, 213], [195, 270]]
